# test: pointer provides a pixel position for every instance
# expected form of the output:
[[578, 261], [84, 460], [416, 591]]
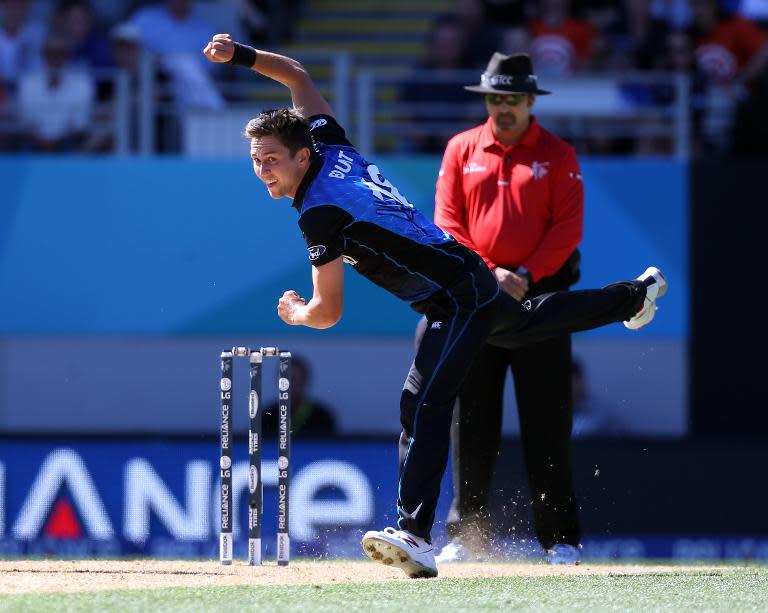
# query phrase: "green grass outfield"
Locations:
[[723, 588]]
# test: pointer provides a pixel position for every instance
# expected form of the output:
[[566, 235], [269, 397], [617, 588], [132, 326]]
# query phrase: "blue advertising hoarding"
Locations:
[[159, 498]]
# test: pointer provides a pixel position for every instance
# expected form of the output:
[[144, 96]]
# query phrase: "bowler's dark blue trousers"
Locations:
[[460, 320]]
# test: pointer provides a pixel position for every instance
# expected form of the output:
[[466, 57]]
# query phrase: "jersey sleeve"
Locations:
[[325, 130], [322, 229]]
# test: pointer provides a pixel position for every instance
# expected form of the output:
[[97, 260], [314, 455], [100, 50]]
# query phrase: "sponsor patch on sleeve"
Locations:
[[316, 251], [317, 123]]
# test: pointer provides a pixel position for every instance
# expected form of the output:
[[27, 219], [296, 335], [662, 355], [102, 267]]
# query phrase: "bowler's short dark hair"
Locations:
[[287, 125]]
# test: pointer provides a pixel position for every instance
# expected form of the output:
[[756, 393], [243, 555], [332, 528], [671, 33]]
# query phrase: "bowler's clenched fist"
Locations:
[[220, 49], [288, 304]]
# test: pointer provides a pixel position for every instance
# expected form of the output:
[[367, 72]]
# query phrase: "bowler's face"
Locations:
[[273, 163]]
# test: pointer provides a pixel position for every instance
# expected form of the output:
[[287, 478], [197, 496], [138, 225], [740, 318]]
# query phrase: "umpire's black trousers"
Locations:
[[542, 381], [460, 320], [542, 376]]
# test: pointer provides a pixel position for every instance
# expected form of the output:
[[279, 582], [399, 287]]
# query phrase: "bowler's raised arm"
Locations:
[[305, 96]]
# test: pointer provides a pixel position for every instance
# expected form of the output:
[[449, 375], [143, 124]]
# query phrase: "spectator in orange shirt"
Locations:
[[733, 54], [561, 44], [728, 46]]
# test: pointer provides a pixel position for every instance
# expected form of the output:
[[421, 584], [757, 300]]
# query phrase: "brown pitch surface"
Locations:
[[20, 576]]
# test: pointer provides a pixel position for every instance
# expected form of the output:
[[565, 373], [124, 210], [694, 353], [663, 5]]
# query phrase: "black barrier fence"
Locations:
[[702, 486], [728, 335]]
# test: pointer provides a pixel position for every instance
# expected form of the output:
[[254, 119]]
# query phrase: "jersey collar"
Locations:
[[315, 164], [530, 136]]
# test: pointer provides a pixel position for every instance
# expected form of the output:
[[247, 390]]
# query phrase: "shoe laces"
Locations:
[[404, 533]]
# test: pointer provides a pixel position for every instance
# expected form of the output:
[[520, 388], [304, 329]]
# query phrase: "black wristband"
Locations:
[[243, 56]]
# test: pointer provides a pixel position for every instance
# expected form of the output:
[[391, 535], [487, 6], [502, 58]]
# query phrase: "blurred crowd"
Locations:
[[721, 44], [59, 61]]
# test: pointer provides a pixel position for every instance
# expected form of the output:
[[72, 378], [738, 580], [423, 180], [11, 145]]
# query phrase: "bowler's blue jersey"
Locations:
[[347, 208]]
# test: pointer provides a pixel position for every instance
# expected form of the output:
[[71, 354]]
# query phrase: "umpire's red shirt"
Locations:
[[521, 205]]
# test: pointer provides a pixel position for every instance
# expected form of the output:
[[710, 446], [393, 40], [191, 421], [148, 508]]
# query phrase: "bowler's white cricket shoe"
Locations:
[[401, 549], [656, 286]]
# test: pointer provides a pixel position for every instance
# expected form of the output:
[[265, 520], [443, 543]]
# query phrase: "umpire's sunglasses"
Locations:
[[510, 99]]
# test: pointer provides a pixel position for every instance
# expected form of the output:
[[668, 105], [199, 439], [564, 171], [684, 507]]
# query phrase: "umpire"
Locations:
[[506, 190]]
